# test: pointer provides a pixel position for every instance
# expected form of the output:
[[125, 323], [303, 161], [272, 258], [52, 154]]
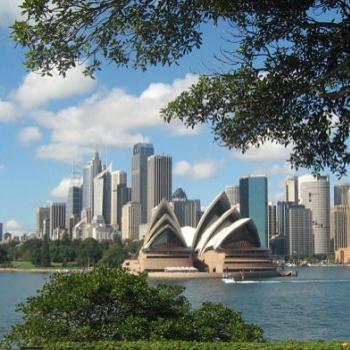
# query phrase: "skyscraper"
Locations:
[[300, 239], [1, 231], [159, 179], [73, 207], [314, 194], [120, 196], [253, 204], [187, 211], [341, 194], [92, 169], [292, 190], [42, 213], [102, 196], [272, 220], [232, 193], [139, 189], [57, 217], [131, 221], [281, 227], [340, 226]]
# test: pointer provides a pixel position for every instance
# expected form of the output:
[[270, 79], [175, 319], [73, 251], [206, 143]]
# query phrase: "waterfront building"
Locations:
[[102, 196], [1, 231], [131, 221], [341, 194], [57, 217], [278, 245], [90, 171], [272, 219], [281, 212], [73, 206], [340, 226], [139, 173], [186, 210], [42, 213], [299, 235], [292, 190], [120, 196], [159, 179], [313, 192], [253, 204], [232, 193], [342, 255]]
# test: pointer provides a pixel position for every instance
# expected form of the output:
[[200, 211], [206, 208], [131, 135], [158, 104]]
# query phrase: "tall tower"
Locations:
[[42, 213], [232, 193], [90, 171], [253, 204], [73, 206], [57, 216], [131, 221], [159, 179], [341, 194], [314, 194], [102, 196], [292, 190], [272, 219], [141, 152], [120, 196], [340, 226]]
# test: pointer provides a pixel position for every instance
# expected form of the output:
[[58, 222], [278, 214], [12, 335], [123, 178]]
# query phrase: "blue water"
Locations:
[[313, 306]]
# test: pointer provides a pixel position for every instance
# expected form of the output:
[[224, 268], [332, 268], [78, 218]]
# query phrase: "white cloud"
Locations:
[[269, 151], [9, 11], [108, 118], [8, 111], [276, 169], [13, 226], [61, 190], [30, 134], [201, 170], [64, 152]]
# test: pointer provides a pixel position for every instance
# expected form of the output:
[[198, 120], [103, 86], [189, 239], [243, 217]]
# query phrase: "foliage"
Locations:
[[286, 78], [111, 304], [89, 253], [4, 258], [176, 345]]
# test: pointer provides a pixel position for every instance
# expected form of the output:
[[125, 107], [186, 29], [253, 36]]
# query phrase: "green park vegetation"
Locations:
[[67, 254]]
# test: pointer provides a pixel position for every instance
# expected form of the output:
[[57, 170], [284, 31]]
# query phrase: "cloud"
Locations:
[[30, 134], [201, 170], [276, 169], [9, 11], [8, 111], [61, 190], [269, 151], [108, 118], [13, 226]]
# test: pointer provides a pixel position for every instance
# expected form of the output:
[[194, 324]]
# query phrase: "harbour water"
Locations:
[[313, 306]]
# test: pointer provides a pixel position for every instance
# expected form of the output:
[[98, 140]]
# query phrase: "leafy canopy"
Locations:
[[286, 79], [111, 304]]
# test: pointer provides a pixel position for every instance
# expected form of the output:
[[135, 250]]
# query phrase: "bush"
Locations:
[[111, 304]]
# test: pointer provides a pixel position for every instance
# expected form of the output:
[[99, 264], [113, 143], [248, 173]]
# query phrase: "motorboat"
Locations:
[[228, 280]]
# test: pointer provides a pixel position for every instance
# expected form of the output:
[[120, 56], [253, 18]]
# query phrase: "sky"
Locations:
[[50, 126]]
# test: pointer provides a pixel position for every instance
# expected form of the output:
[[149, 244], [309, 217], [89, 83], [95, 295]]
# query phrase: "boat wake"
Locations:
[[291, 281]]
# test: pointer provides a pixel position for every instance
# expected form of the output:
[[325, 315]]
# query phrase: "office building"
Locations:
[[102, 195], [139, 166], [253, 204], [292, 190], [341, 194], [159, 179], [120, 196], [1, 231], [73, 207], [340, 226], [131, 221], [232, 193], [42, 213], [272, 219], [57, 217], [299, 236], [90, 171], [314, 194], [187, 211], [281, 212]]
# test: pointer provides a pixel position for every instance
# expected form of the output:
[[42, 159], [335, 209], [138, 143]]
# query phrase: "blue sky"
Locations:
[[46, 124]]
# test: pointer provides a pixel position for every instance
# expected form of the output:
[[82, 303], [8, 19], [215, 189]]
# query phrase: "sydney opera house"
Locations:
[[221, 242]]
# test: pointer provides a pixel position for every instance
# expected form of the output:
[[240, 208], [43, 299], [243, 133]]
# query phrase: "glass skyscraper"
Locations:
[[253, 204]]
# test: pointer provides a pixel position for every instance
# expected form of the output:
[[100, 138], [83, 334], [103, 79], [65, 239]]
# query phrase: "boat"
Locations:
[[228, 280], [288, 273]]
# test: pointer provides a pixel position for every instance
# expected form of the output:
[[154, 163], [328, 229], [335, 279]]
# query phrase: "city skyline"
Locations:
[[47, 123]]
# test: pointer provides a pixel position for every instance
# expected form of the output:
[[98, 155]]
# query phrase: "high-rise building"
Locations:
[[282, 208], [341, 194], [159, 179], [57, 216], [300, 239], [1, 231], [131, 221], [253, 204], [272, 220], [292, 190], [314, 194], [90, 171], [232, 193], [102, 195], [42, 213], [340, 226], [73, 206], [141, 152], [120, 196], [187, 211]]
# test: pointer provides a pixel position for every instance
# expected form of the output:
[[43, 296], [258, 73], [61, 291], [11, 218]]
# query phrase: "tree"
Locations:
[[4, 258], [111, 304], [114, 256], [89, 252], [287, 77]]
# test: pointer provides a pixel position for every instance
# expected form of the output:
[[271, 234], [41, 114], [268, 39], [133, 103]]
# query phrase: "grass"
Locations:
[[27, 265]]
